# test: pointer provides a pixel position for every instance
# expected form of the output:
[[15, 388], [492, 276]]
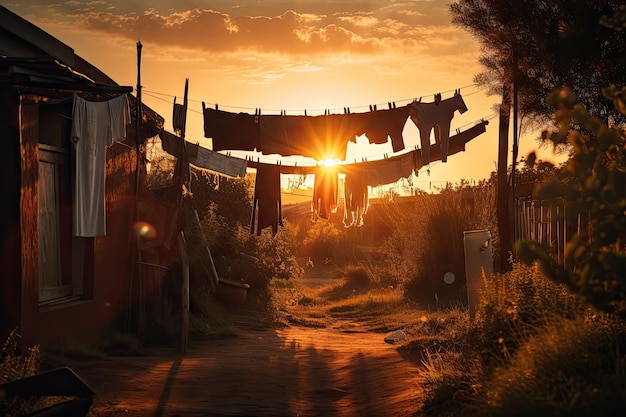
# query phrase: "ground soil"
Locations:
[[290, 371]]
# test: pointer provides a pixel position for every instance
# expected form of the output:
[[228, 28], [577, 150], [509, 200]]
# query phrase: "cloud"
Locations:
[[210, 32], [388, 38]]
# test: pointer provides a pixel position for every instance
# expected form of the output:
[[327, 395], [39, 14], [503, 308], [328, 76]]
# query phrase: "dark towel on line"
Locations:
[[231, 131], [266, 209], [324, 192]]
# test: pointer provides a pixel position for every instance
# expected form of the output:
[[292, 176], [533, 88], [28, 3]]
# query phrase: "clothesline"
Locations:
[[235, 166], [374, 157], [155, 96], [248, 155], [381, 106]]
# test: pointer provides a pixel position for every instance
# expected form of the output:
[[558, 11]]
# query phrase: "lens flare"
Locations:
[[145, 229]]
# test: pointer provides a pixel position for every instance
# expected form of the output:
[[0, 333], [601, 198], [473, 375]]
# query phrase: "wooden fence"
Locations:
[[548, 222]]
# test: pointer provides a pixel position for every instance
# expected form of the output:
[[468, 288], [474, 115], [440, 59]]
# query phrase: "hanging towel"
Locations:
[[319, 137], [356, 200], [389, 170], [219, 163], [324, 192], [266, 209], [231, 131], [95, 126], [380, 125], [178, 118]]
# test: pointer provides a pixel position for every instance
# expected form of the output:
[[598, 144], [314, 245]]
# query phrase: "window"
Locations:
[[62, 257]]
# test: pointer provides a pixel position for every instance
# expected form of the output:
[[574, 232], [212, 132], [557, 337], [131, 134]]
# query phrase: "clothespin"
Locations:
[[394, 104], [348, 110], [371, 108], [458, 131], [305, 112], [389, 104], [375, 107], [216, 106]]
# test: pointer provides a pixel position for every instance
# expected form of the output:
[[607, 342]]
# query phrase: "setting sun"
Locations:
[[330, 162]]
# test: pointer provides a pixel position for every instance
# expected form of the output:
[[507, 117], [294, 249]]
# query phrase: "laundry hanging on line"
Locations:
[[95, 125], [356, 196], [358, 176], [202, 157], [267, 201], [267, 210], [457, 144], [436, 116], [319, 137], [325, 188]]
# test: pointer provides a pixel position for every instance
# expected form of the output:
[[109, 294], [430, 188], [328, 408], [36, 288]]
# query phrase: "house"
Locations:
[[54, 284]]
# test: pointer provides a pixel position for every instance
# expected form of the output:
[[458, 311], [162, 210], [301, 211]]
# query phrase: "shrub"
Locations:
[[514, 306], [356, 276], [572, 368], [276, 257], [593, 181], [322, 242], [532, 345], [427, 241]]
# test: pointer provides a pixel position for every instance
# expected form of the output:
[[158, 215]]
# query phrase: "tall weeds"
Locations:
[[13, 366], [533, 349], [427, 242]]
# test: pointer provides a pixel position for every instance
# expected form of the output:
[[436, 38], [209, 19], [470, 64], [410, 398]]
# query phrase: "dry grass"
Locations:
[[344, 302]]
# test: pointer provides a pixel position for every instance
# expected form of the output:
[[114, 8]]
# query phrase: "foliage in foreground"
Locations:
[[14, 366], [532, 350], [593, 185]]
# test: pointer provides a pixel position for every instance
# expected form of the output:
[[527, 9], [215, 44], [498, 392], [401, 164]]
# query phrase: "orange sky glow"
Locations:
[[289, 55]]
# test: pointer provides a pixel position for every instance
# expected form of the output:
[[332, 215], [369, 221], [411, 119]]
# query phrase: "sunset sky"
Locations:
[[291, 55]]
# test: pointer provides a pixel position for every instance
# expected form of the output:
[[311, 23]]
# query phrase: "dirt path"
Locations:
[[288, 372], [340, 370]]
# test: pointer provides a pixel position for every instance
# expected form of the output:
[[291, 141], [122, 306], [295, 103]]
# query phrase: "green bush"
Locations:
[[593, 184]]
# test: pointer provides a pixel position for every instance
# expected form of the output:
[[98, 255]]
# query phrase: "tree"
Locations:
[[558, 43], [532, 47], [491, 24]]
